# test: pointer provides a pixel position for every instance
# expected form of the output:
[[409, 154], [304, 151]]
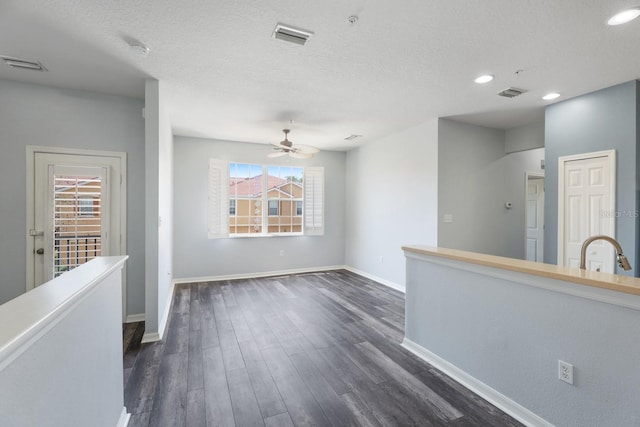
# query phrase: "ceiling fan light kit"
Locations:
[[286, 147]]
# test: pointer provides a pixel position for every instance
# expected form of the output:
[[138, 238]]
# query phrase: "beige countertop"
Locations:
[[614, 282]]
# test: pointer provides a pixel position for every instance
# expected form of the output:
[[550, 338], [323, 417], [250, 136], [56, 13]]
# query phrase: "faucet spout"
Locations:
[[623, 262]]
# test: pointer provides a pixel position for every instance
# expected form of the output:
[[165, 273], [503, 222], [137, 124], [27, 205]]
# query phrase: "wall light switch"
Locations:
[[448, 218]]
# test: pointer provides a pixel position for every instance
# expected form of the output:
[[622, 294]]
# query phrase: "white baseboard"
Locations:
[[380, 280], [164, 320], [162, 326], [494, 397], [150, 337], [133, 318], [124, 418], [256, 275]]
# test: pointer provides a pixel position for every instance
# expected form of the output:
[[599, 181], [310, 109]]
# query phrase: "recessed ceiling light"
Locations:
[[550, 96], [486, 78], [624, 16]]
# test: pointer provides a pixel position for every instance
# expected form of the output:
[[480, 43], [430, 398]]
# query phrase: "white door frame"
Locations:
[[611, 157], [31, 155], [527, 176]]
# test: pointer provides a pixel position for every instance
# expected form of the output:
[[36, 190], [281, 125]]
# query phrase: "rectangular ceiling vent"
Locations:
[[22, 64], [291, 34], [352, 137], [511, 92]]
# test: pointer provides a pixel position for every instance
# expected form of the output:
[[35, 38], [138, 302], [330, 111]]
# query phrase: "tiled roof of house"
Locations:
[[253, 186]]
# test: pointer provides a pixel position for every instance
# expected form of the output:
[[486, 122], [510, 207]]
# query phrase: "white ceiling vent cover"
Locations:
[[511, 92], [291, 34]]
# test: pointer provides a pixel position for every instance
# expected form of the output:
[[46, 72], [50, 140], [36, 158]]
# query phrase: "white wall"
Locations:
[[46, 116], [196, 256], [158, 210], [61, 351], [391, 200]]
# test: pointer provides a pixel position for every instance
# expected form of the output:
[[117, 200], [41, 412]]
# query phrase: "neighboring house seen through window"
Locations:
[[250, 200]]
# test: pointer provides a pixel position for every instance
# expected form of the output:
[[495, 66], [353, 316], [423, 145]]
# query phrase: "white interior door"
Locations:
[[535, 219], [587, 204]]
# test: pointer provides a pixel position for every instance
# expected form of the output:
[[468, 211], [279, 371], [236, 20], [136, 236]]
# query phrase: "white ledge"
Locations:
[[24, 318]]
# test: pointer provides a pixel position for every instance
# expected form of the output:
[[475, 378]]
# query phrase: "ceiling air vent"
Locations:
[[352, 137], [22, 64], [511, 92], [291, 34]]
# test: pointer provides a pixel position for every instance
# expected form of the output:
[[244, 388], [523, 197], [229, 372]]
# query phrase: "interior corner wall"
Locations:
[[158, 208], [392, 200], [523, 138], [602, 120], [197, 256], [46, 116], [514, 167], [471, 188]]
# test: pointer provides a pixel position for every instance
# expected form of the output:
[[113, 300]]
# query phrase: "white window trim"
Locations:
[[218, 203]]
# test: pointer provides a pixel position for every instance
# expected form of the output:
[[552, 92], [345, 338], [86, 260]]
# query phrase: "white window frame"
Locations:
[[218, 203]]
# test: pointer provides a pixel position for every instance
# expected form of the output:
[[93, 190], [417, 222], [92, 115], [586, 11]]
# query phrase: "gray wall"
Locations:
[[197, 256], [476, 179], [602, 120], [510, 336], [45, 116], [514, 166], [392, 187], [470, 188], [527, 137]]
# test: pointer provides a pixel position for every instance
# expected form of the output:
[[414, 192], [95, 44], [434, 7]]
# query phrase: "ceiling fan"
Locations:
[[286, 147]]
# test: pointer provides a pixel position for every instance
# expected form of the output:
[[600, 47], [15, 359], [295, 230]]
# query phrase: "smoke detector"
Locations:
[[291, 34], [23, 64], [511, 92]]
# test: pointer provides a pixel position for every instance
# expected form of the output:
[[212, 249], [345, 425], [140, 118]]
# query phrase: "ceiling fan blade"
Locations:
[[299, 155], [307, 149], [277, 154], [278, 144]]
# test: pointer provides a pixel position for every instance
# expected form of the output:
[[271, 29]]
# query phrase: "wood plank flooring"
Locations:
[[319, 349]]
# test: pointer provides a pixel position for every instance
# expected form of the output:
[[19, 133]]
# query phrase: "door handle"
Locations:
[[40, 251]]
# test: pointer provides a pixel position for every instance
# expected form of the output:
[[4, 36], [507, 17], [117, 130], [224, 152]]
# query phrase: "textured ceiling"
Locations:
[[402, 64]]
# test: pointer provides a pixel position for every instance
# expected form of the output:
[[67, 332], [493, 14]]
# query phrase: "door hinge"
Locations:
[[34, 233]]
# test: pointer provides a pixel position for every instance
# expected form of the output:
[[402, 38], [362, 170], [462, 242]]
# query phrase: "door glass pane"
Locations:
[[77, 221]]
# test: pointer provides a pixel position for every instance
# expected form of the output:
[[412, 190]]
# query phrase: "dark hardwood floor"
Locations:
[[312, 349]]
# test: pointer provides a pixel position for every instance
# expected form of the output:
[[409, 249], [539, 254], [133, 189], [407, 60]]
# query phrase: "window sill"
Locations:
[[242, 236]]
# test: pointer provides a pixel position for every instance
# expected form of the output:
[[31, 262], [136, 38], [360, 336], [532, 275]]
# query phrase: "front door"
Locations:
[[76, 212]]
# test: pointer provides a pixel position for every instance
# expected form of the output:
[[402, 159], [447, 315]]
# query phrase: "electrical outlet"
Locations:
[[281, 252], [565, 372]]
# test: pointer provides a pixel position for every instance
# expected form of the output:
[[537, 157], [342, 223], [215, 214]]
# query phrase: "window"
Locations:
[[251, 199], [85, 206], [274, 208]]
